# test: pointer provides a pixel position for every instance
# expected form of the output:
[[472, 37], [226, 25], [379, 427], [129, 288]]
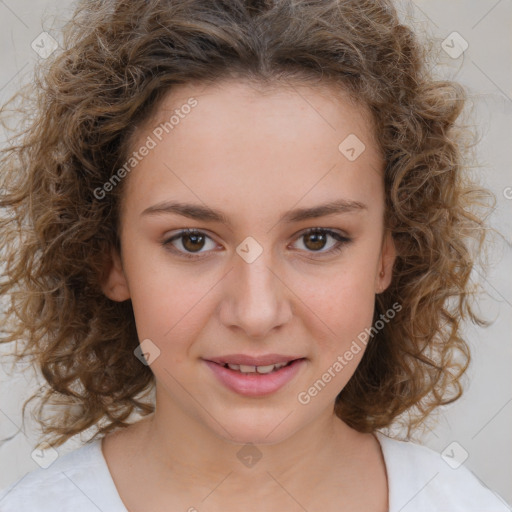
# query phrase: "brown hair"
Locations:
[[118, 60]]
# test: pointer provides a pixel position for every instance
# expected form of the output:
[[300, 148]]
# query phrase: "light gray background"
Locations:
[[481, 421]]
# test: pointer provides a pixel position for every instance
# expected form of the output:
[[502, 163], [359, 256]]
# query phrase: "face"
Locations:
[[265, 274]]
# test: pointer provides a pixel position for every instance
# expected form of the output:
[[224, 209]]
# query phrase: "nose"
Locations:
[[255, 297]]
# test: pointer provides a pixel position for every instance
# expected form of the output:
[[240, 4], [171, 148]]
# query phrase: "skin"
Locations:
[[254, 154]]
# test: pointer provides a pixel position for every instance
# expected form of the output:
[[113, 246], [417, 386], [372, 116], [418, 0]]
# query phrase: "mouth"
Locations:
[[255, 379], [256, 361], [263, 369]]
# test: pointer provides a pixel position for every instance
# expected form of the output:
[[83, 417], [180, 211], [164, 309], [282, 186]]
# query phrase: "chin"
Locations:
[[267, 431]]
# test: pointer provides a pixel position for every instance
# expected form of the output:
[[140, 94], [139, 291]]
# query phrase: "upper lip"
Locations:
[[247, 360]]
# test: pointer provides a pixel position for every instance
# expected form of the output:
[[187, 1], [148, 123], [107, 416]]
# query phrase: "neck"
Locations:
[[177, 460], [180, 445]]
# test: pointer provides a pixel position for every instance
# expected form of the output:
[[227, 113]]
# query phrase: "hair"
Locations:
[[117, 61]]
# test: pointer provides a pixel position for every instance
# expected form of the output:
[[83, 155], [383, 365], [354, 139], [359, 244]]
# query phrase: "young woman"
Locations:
[[257, 210]]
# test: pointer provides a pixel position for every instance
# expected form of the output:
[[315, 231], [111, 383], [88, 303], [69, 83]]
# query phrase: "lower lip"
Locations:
[[256, 384]]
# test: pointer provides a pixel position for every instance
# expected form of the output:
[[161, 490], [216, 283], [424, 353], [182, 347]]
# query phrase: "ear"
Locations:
[[387, 258], [114, 283]]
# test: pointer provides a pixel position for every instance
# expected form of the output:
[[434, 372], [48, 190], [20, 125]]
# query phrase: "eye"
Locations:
[[316, 239], [191, 240]]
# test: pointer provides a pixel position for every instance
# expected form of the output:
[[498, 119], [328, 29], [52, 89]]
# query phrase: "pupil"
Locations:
[[194, 237], [317, 238]]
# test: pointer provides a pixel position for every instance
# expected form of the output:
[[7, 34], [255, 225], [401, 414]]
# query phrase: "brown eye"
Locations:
[[188, 243], [193, 241], [316, 239]]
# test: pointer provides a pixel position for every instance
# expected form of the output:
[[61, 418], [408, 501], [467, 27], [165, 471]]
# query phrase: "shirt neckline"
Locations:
[[381, 439], [115, 496]]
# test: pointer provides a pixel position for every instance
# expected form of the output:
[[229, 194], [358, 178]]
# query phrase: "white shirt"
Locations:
[[419, 480]]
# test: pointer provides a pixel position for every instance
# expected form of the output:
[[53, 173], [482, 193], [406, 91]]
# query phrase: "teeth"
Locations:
[[247, 369], [265, 369], [256, 369]]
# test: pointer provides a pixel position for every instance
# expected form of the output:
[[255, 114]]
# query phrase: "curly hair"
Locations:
[[117, 61]]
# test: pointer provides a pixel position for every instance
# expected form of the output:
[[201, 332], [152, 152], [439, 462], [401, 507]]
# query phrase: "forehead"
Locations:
[[323, 101], [263, 145]]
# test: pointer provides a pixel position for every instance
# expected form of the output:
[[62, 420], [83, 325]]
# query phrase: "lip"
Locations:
[[245, 359], [255, 384]]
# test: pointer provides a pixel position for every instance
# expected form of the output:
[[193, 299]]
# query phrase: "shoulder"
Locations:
[[78, 481], [419, 479]]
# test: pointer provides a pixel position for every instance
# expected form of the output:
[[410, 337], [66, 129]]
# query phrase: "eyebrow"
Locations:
[[206, 214]]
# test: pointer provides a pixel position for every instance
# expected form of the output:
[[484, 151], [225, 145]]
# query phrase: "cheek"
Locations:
[[168, 302], [344, 306], [338, 306], [338, 319]]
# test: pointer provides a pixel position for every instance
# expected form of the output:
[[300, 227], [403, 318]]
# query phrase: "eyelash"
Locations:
[[342, 241]]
